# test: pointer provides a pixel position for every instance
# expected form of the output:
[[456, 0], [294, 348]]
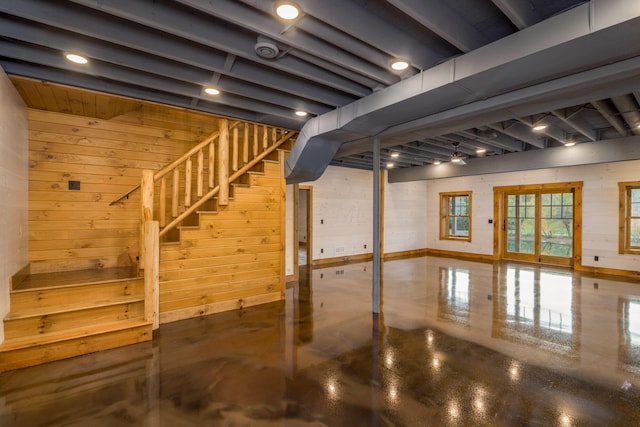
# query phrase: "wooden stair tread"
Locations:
[[75, 278], [63, 308], [70, 334]]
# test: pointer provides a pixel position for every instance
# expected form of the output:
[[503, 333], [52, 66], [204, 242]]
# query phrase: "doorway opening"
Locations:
[[539, 223], [304, 227]]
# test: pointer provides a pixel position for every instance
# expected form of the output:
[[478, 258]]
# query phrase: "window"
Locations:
[[455, 216], [629, 238]]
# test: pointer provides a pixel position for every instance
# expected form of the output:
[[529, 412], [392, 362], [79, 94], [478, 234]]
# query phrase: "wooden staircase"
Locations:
[[61, 315]]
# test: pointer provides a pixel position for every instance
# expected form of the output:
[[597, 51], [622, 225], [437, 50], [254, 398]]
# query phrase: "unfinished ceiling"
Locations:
[[338, 53]]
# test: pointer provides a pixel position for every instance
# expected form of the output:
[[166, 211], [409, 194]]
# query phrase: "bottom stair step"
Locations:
[[34, 350]]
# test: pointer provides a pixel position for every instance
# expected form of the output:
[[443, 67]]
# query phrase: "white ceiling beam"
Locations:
[[442, 20]]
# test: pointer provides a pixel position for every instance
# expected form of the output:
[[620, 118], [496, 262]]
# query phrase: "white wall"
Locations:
[[405, 216], [14, 178], [342, 213], [343, 201], [599, 209]]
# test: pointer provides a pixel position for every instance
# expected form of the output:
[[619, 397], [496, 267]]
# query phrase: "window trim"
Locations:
[[624, 237], [444, 215]]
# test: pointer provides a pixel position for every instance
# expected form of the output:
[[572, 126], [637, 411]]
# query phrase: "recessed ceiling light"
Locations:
[[399, 65], [301, 113], [436, 162], [389, 165], [539, 127], [569, 143], [76, 59], [456, 159], [481, 151], [287, 10], [212, 91], [394, 155]]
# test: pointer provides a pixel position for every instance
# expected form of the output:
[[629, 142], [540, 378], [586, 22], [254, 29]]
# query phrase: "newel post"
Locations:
[[223, 162], [146, 211], [151, 273]]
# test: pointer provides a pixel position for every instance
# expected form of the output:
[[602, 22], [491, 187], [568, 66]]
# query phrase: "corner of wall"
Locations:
[[14, 179]]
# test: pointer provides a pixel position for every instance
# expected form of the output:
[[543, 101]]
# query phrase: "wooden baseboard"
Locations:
[[19, 276], [405, 254], [350, 259], [461, 255], [217, 307], [612, 271], [341, 260]]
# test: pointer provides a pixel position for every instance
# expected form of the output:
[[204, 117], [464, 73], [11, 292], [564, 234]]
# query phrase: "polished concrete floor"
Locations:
[[459, 343]]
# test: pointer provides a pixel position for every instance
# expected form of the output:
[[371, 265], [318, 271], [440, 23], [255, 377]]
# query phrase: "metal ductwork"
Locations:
[[544, 67]]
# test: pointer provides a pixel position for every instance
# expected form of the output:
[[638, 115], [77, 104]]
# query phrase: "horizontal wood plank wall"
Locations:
[[232, 259], [77, 229]]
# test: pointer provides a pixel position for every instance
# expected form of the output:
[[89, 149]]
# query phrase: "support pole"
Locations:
[[376, 225]]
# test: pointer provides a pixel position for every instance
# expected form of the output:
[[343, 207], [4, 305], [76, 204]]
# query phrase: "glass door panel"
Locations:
[[521, 225], [556, 224], [539, 226]]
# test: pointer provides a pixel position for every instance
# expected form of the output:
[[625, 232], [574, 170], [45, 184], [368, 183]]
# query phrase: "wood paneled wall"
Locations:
[[77, 229], [233, 259]]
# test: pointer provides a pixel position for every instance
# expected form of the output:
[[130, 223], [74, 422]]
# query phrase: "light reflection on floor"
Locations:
[[458, 343]]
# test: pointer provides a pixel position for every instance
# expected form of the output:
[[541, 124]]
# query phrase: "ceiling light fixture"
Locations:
[[287, 10], [76, 59], [399, 64], [301, 113], [481, 151], [389, 165], [538, 128], [456, 157], [394, 155], [436, 162], [569, 143], [212, 91]]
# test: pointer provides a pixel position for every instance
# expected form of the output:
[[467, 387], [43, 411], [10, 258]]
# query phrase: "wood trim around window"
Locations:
[[444, 215], [624, 244]]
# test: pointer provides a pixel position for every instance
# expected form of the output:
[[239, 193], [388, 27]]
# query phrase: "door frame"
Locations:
[[309, 231], [499, 225]]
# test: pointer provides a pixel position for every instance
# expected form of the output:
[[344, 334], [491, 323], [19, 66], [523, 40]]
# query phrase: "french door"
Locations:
[[539, 224]]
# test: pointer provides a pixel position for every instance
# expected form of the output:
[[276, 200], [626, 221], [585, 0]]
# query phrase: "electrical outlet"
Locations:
[[596, 258], [365, 246], [321, 251]]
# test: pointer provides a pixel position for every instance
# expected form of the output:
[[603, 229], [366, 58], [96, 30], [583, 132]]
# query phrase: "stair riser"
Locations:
[[38, 326], [89, 294], [61, 350]]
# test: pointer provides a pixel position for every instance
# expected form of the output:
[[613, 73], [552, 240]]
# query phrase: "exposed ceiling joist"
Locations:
[[442, 20], [522, 13]]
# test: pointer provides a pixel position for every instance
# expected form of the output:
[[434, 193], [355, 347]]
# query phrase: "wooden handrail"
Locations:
[[162, 172], [232, 178]]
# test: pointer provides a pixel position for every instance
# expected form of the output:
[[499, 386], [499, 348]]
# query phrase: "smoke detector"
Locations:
[[266, 48]]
